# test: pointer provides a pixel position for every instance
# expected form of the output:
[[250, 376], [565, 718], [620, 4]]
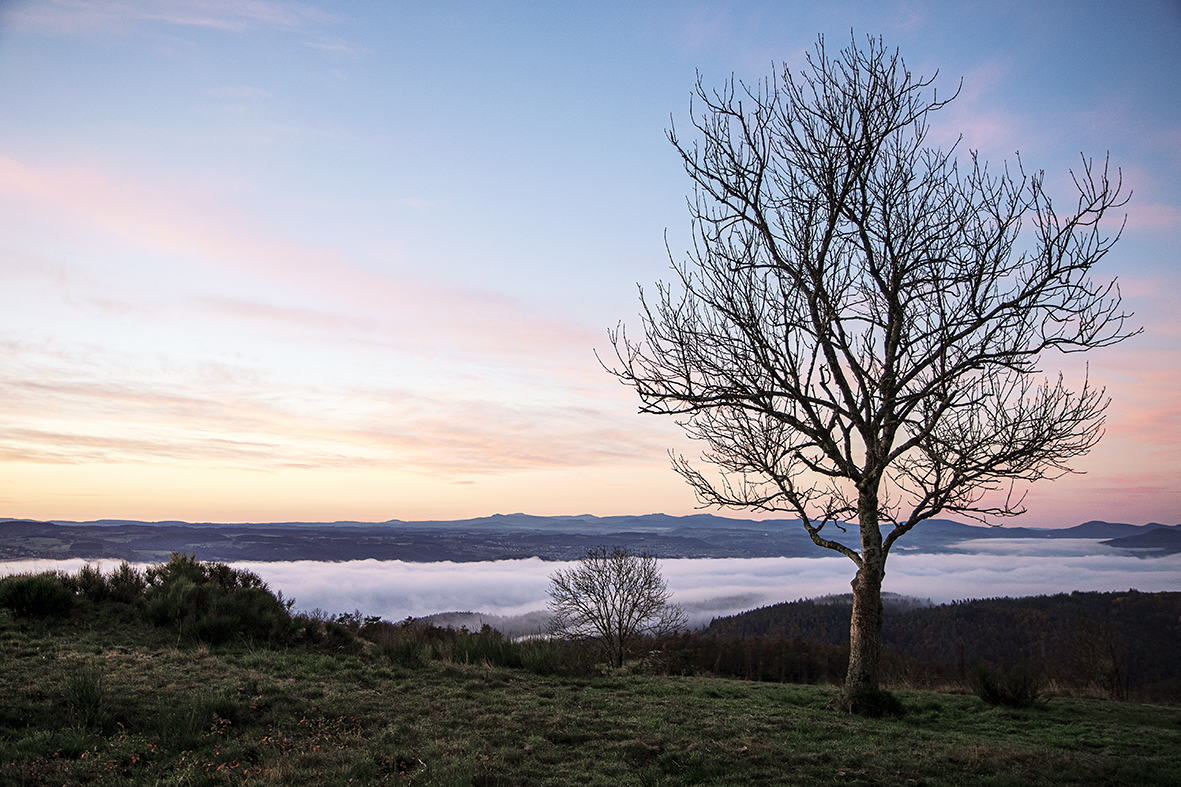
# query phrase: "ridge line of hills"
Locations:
[[512, 536]]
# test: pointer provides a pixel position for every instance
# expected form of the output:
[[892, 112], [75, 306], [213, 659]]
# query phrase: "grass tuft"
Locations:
[[86, 694]]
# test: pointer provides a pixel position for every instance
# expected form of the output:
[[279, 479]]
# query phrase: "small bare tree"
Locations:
[[856, 334], [614, 596]]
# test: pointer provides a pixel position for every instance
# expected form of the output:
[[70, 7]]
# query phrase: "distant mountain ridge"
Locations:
[[589, 523], [1164, 540], [502, 537]]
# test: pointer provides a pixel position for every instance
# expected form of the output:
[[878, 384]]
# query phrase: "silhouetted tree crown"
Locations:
[[857, 331], [614, 596]]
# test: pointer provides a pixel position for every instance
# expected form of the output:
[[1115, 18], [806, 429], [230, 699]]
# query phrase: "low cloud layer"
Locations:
[[395, 590]]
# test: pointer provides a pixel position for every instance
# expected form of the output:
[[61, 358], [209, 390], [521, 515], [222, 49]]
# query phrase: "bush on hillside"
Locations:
[[44, 595], [91, 583], [213, 602], [126, 584], [1013, 687]]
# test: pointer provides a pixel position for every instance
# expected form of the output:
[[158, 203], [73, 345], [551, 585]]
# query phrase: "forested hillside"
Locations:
[[1122, 644]]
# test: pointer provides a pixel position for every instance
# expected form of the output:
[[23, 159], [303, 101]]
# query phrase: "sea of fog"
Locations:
[[706, 588]]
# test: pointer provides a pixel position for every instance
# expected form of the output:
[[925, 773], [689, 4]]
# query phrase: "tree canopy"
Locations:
[[857, 333], [614, 596]]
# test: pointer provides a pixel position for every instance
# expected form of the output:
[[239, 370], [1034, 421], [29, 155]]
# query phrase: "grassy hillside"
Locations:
[[97, 694]]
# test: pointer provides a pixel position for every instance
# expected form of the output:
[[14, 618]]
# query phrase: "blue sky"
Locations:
[[272, 261]]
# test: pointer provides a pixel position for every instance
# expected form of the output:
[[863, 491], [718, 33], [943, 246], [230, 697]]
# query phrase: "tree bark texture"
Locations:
[[865, 625], [865, 630]]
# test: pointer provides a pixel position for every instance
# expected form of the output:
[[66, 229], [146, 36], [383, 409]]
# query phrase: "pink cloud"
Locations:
[[190, 225], [417, 435], [96, 409], [75, 404]]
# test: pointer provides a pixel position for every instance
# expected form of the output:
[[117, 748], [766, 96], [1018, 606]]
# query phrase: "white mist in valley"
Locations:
[[706, 588]]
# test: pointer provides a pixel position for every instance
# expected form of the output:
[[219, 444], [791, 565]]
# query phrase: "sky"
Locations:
[[276, 261]]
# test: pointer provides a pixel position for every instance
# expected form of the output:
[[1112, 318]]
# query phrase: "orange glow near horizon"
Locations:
[[365, 495]]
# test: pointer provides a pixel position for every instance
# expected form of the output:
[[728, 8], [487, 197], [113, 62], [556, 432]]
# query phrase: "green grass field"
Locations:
[[118, 701]]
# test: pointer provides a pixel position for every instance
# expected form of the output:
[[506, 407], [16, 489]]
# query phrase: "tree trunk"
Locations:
[[865, 629], [865, 625]]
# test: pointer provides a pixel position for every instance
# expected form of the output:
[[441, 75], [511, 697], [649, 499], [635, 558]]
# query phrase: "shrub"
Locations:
[[179, 601], [44, 595], [252, 610], [413, 644], [408, 644], [406, 652], [213, 602], [126, 584], [340, 638], [1013, 687], [488, 646], [306, 628], [181, 566], [91, 583], [545, 657]]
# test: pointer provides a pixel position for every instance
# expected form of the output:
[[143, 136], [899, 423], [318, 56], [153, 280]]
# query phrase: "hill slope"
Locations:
[[1122, 643]]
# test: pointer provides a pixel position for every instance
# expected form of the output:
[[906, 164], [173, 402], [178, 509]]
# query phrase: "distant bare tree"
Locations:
[[856, 335], [614, 596]]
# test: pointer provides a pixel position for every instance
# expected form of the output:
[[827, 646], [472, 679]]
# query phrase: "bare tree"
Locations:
[[614, 596], [856, 334]]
